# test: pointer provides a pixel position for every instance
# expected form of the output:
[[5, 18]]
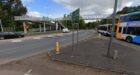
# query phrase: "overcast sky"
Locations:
[[57, 8]]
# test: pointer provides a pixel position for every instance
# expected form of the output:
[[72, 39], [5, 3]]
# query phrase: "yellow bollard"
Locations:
[[57, 50]]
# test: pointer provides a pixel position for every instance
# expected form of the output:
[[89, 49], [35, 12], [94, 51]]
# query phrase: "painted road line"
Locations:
[[50, 36], [37, 38], [60, 35], [16, 40]]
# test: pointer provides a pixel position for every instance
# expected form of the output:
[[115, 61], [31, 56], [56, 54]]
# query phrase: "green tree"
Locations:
[[82, 24], [9, 9], [126, 10]]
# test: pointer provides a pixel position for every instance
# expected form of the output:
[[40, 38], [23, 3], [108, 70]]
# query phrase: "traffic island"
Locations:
[[92, 53]]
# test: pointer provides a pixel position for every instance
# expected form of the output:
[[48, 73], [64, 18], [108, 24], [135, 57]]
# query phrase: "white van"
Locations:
[[65, 30]]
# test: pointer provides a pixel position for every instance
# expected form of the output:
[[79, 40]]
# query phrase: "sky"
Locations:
[[48, 8], [57, 8]]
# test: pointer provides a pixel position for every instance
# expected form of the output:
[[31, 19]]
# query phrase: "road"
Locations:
[[15, 49], [18, 49]]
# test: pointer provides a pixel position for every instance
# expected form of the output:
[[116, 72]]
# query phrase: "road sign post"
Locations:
[[75, 17], [112, 31]]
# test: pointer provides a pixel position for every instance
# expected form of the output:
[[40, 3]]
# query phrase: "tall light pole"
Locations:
[[1, 26], [112, 31]]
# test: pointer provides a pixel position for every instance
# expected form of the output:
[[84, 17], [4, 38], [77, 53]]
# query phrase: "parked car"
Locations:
[[65, 30], [8, 35]]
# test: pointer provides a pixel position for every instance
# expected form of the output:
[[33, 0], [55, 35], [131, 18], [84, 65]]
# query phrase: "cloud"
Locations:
[[39, 14], [34, 14], [93, 6]]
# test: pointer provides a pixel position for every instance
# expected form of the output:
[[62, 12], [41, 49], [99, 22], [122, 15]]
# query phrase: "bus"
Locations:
[[104, 29], [128, 27]]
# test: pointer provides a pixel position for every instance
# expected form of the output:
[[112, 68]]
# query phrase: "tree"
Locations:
[[82, 24], [126, 10], [91, 25], [9, 9]]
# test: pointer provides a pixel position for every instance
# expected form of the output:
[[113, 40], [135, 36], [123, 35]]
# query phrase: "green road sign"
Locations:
[[75, 16]]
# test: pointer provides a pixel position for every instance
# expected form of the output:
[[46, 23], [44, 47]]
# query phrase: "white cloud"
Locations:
[[34, 14], [38, 14], [94, 6], [87, 21], [55, 15], [136, 2]]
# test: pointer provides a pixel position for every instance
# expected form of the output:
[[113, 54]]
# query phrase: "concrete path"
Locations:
[[93, 53]]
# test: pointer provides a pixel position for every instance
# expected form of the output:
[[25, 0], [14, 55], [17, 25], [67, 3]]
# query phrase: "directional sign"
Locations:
[[75, 16]]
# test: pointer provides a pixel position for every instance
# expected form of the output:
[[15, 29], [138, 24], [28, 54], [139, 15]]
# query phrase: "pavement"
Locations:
[[7, 72], [41, 64], [92, 53], [15, 49]]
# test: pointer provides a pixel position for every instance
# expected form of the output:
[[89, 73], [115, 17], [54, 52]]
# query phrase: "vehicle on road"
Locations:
[[65, 30], [8, 35], [104, 29], [128, 27]]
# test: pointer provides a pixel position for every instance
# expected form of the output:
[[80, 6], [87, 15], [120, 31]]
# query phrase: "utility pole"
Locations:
[[1, 26], [72, 35], [112, 31]]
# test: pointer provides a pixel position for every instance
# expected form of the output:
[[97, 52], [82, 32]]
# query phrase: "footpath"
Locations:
[[93, 53]]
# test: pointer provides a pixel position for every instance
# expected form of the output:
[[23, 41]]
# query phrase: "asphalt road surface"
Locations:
[[17, 49]]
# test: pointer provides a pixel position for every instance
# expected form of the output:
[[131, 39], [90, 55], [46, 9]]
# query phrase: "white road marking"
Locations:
[[60, 35], [50, 36], [16, 40], [29, 72], [37, 38]]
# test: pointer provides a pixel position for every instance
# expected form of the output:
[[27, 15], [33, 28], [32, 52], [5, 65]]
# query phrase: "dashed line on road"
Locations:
[[16, 40], [50, 36], [60, 35], [37, 38]]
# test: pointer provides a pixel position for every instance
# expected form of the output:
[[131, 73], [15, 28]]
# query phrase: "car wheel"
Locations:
[[19, 36], [1, 38], [129, 39]]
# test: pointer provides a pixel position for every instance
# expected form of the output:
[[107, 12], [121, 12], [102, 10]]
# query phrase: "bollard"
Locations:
[[57, 50], [99, 36], [115, 56]]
